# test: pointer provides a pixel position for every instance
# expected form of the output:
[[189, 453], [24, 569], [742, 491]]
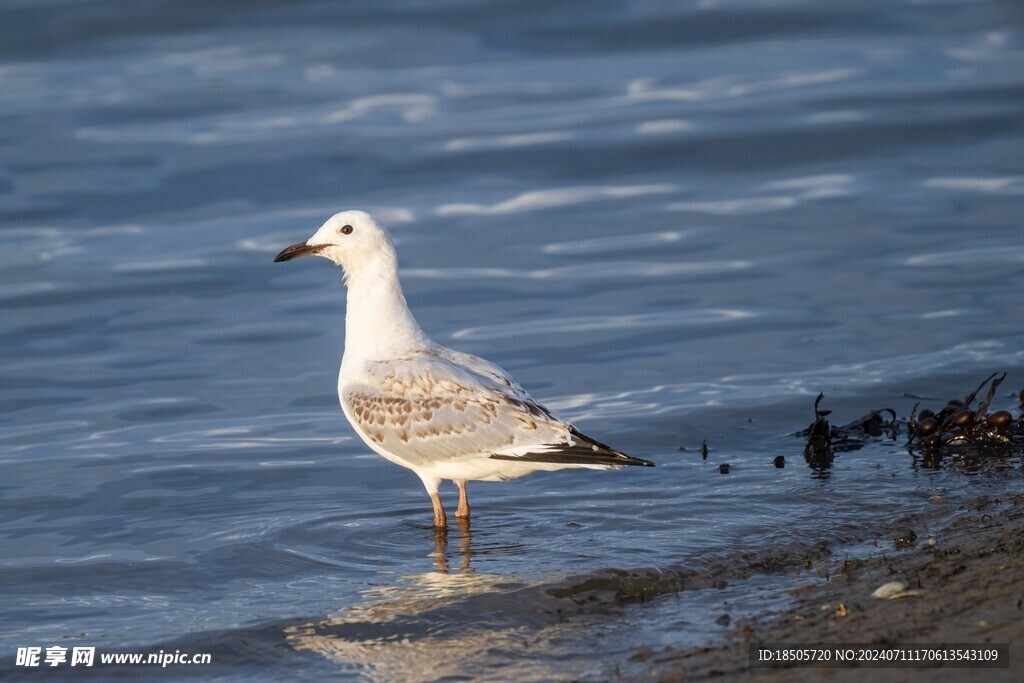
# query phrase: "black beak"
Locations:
[[295, 251]]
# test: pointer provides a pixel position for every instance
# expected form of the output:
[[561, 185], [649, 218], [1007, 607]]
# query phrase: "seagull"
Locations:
[[441, 413]]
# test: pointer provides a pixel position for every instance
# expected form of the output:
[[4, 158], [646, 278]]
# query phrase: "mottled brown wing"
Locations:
[[428, 409]]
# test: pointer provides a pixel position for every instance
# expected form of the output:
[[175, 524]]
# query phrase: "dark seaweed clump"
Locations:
[[825, 440], [960, 426], [957, 428]]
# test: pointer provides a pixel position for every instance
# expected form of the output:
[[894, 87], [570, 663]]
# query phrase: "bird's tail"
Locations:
[[582, 451]]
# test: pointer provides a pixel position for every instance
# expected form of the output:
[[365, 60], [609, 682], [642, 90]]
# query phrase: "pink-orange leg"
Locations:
[[463, 511], [440, 520]]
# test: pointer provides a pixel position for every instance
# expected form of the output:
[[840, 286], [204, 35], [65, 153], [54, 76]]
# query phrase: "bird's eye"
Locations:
[[346, 230]]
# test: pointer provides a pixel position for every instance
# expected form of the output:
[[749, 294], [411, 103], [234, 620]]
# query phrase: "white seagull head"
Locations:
[[352, 239]]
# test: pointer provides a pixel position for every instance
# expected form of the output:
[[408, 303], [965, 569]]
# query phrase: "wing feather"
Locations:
[[431, 409], [444, 405]]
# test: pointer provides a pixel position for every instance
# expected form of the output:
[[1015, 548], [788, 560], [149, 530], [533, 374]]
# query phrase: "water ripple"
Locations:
[[576, 325], [549, 199]]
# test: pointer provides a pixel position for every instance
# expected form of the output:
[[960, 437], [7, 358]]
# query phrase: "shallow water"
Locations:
[[671, 221]]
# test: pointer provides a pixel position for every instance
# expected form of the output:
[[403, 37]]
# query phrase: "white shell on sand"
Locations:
[[888, 590]]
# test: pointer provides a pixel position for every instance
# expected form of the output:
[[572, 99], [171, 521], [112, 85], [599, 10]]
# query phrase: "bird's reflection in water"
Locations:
[[442, 558], [427, 626]]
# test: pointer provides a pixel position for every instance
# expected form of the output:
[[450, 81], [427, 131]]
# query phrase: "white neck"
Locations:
[[378, 322]]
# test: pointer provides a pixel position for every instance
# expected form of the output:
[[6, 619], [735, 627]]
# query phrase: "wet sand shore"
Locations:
[[964, 584]]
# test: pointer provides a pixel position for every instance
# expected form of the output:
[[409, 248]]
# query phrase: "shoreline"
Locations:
[[964, 584]]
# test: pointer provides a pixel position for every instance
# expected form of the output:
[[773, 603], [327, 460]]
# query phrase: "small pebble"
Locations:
[[723, 620], [723, 468], [905, 538], [779, 461]]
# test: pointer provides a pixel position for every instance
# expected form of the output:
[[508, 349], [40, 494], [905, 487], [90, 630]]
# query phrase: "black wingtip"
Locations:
[[584, 451], [605, 450], [574, 455]]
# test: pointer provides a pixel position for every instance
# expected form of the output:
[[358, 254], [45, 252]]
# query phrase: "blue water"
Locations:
[[670, 221]]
